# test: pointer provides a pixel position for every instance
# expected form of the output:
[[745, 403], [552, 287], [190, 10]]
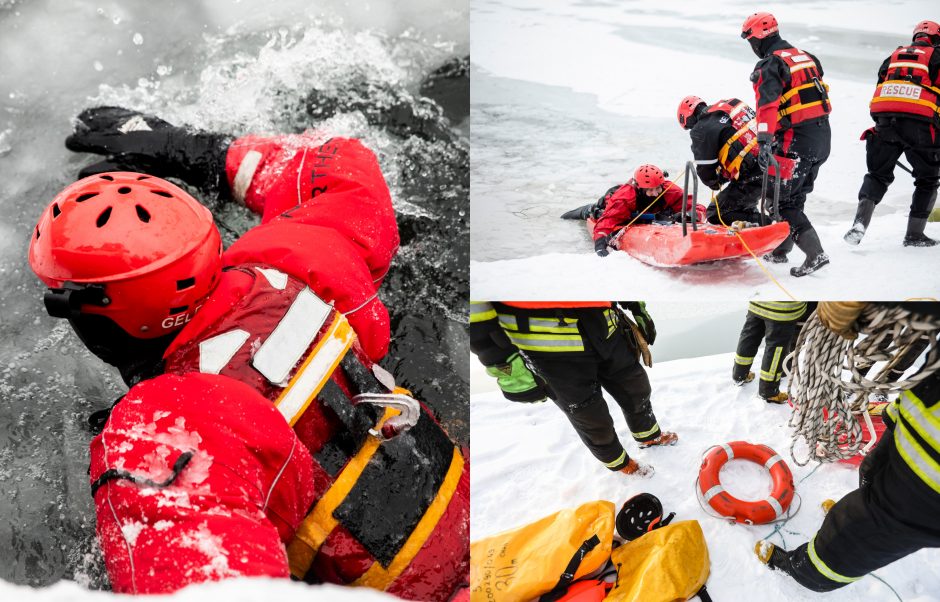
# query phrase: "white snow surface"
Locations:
[[232, 590], [570, 97], [528, 463]]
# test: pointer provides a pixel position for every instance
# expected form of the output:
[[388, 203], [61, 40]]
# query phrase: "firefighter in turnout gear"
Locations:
[[724, 145], [894, 511], [259, 437], [775, 323], [793, 121], [579, 348], [906, 110]]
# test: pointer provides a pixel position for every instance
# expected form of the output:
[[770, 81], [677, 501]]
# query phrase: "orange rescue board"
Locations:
[[663, 244]]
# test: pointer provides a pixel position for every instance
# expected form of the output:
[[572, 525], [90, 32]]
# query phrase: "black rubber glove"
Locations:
[[600, 247], [765, 151], [643, 319], [133, 141]]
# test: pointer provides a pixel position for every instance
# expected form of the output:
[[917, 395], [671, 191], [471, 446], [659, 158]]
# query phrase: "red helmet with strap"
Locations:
[[648, 176], [687, 108], [929, 28], [130, 247], [759, 25]]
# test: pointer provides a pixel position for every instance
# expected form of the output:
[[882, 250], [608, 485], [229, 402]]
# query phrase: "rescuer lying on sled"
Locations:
[[894, 511], [258, 418], [648, 197]]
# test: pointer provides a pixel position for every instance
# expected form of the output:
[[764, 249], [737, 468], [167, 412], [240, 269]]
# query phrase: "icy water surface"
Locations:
[[228, 66]]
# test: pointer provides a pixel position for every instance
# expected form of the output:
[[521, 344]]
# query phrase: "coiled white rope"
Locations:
[[826, 406]]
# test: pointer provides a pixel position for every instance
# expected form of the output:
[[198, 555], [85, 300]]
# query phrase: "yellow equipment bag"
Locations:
[[669, 563], [522, 564]]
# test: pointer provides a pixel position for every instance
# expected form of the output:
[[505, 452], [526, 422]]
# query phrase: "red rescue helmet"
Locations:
[[759, 25], [928, 28], [131, 247], [687, 108], [648, 176]]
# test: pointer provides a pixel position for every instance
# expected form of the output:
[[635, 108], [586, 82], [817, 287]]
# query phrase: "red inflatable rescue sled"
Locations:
[[664, 245]]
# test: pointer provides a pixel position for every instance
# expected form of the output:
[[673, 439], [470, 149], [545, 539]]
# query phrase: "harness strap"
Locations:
[[568, 575], [114, 474]]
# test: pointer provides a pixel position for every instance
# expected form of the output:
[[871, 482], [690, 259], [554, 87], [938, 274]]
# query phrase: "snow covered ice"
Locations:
[[570, 97], [528, 463]]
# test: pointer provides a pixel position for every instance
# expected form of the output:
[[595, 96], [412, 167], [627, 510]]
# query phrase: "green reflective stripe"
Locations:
[[611, 321], [645, 434], [778, 311], [774, 372], [916, 458], [619, 460], [508, 322], [539, 323], [481, 311], [544, 342], [569, 327], [892, 410], [744, 361], [825, 570]]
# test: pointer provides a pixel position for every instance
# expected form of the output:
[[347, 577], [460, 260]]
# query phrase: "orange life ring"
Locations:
[[751, 513]]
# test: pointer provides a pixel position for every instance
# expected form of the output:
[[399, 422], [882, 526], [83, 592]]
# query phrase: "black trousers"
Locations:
[[809, 144], [610, 363], [778, 337], [737, 201], [893, 513], [919, 142]]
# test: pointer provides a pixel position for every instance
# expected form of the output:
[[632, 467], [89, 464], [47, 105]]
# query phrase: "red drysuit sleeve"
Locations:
[[769, 78], [672, 197], [327, 218], [618, 211]]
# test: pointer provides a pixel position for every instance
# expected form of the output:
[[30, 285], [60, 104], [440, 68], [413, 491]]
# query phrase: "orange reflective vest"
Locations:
[[907, 87], [742, 142], [807, 98]]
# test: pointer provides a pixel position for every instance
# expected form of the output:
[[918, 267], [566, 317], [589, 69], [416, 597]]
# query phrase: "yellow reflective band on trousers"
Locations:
[[773, 375], [611, 318], [910, 414], [778, 311], [743, 361], [646, 434], [823, 569], [619, 460], [481, 311], [544, 334]]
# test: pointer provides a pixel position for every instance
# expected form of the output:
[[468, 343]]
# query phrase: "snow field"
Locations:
[[528, 462]]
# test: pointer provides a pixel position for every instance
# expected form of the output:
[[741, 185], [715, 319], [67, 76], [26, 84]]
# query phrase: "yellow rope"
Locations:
[[756, 258]]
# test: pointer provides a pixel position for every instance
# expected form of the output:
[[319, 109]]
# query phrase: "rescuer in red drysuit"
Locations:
[[649, 192], [198, 474]]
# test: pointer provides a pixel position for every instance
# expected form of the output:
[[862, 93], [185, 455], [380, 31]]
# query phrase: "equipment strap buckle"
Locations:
[[67, 301]]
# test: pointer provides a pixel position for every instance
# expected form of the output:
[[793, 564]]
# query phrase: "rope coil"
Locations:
[[827, 406]]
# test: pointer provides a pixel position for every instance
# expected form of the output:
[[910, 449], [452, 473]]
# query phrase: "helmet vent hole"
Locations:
[[107, 177], [37, 233], [178, 310], [104, 217], [186, 283], [124, 190], [143, 214], [166, 195], [84, 197], [143, 178], [55, 210]]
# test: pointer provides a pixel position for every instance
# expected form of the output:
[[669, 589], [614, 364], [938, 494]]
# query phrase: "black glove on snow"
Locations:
[[133, 141], [643, 319], [765, 151], [600, 247]]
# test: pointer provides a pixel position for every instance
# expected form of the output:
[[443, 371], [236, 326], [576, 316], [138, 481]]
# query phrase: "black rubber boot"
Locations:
[[815, 257], [915, 236], [779, 255], [582, 212], [866, 208]]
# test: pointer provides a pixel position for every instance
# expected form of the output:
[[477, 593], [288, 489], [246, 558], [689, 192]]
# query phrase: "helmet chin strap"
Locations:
[[67, 301]]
